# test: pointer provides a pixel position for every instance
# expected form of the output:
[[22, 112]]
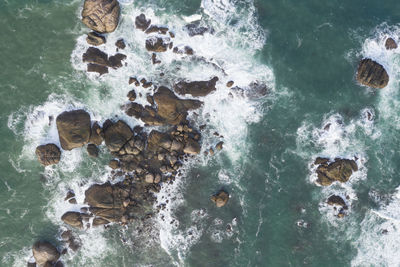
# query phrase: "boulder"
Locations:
[[219, 146], [196, 88], [44, 252], [73, 219], [141, 22], [97, 68], [117, 135], [93, 150], [48, 154], [340, 170], [192, 147], [183, 50], [157, 29], [157, 44], [113, 164], [73, 128], [93, 38], [120, 44], [337, 201], [220, 198], [95, 56], [193, 29], [131, 95], [390, 44], [229, 84], [101, 15], [105, 196], [372, 74], [99, 221], [96, 135], [115, 61]]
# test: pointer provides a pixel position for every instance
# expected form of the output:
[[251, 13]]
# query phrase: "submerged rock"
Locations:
[[96, 135], [48, 154], [73, 128], [220, 199], [101, 15], [141, 22], [338, 171], [93, 38], [337, 200], [45, 253], [390, 44], [193, 29], [97, 68], [196, 88], [372, 74]]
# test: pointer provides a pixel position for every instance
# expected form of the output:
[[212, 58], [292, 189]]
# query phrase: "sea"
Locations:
[[303, 54]]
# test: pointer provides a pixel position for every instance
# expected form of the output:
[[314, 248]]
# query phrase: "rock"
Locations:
[[158, 29], [185, 50], [220, 199], [101, 15], [337, 200], [192, 29], [154, 59], [197, 88], [73, 128], [114, 164], [134, 80], [141, 22], [70, 194], [48, 154], [93, 38], [99, 221], [372, 74], [390, 44], [219, 145], [96, 135], [229, 84], [131, 95], [95, 56], [59, 264], [44, 252], [120, 44], [117, 135], [32, 264], [73, 201], [93, 150], [192, 147], [73, 219], [97, 68], [157, 44], [115, 61], [340, 170], [149, 178], [104, 196]]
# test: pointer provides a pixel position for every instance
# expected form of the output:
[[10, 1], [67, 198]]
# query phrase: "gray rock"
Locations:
[[48, 154]]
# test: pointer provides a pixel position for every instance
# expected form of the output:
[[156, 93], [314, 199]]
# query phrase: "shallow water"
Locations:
[[305, 52]]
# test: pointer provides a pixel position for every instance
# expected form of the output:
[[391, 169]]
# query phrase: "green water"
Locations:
[[312, 47]]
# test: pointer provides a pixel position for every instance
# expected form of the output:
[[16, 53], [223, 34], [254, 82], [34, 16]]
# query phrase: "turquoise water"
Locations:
[[305, 52]]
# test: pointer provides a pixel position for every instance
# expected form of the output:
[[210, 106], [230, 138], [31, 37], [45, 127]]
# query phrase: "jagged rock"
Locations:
[[158, 139], [44, 252], [157, 44], [220, 199], [390, 44], [219, 146], [103, 196], [158, 29], [193, 29], [120, 44], [73, 128], [101, 15], [154, 59], [117, 135], [134, 80], [95, 56], [131, 95], [99, 222], [340, 170], [185, 50], [192, 147], [337, 200], [96, 135], [93, 150], [73, 218], [48, 154], [93, 38], [141, 22], [372, 74], [196, 88], [97, 68], [115, 61]]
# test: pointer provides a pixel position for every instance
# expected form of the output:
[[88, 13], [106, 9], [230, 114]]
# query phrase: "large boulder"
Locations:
[[73, 128], [141, 22], [117, 135], [101, 15], [104, 196], [335, 200], [372, 74], [48, 154], [95, 56], [93, 38], [338, 171], [196, 88], [220, 199], [44, 253], [157, 44], [73, 219]]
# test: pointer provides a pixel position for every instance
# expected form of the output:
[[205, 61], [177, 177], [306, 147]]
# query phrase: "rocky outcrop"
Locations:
[[141, 22], [372, 74], [193, 29], [335, 200], [220, 199], [390, 44], [100, 61], [157, 44], [116, 135], [73, 128], [73, 219], [338, 171], [101, 15], [196, 88], [48, 154], [93, 38], [45, 253]]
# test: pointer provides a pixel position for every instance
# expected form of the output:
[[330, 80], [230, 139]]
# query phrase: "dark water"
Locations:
[[305, 52]]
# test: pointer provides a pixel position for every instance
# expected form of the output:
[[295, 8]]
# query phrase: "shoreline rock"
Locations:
[[45, 253], [48, 154], [74, 128], [220, 198], [372, 74], [101, 15], [340, 170]]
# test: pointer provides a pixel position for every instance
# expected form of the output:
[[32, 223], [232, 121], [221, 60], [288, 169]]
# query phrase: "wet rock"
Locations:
[[192, 147], [157, 44], [95, 56], [93, 38], [372, 74], [157, 29], [44, 252], [134, 80], [154, 59], [219, 146], [101, 15], [99, 222], [185, 50], [96, 135], [93, 150], [229, 84], [117, 135], [103, 196], [70, 194], [196, 88], [131, 95], [141, 22], [48, 154], [340, 170], [149, 178], [220, 199], [120, 44], [390, 44], [97, 68], [115, 61], [73, 128], [337, 200], [193, 29], [73, 219], [114, 164]]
